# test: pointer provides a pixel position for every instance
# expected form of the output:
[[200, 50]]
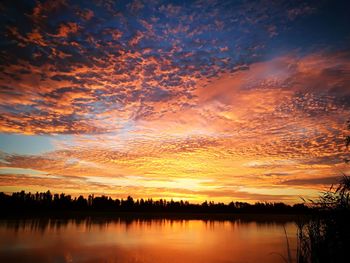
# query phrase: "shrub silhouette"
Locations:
[[326, 236]]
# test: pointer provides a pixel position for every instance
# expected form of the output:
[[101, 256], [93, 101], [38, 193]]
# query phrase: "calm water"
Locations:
[[138, 240]]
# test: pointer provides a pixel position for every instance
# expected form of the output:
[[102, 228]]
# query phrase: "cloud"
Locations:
[[249, 127], [168, 92], [65, 29], [314, 181], [86, 14]]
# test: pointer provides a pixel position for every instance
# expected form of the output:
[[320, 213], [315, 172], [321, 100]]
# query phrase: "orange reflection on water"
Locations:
[[144, 241]]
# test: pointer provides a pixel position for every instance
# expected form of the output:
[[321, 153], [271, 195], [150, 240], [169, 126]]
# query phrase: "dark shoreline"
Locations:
[[111, 215]]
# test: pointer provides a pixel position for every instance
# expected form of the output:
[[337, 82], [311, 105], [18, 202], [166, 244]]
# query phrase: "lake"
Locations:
[[145, 240]]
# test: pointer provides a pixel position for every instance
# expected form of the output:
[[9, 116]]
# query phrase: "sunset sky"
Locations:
[[196, 100]]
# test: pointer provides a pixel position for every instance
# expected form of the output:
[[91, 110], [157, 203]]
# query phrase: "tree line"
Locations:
[[46, 201]]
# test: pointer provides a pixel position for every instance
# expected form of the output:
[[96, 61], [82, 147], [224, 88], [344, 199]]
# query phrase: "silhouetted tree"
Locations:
[[22, 202]]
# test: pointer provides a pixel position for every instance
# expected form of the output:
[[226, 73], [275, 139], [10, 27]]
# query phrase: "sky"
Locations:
[[197, 100]]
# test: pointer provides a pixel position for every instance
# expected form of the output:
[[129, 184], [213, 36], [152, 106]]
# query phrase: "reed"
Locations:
[[325, 237]]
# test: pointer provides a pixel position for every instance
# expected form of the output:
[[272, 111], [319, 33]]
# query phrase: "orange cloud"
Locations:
[[66, 29], [263, 133]]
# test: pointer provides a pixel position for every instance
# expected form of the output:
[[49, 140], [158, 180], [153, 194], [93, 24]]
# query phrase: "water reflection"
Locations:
[[143, 240]]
